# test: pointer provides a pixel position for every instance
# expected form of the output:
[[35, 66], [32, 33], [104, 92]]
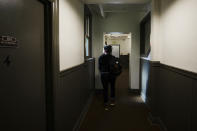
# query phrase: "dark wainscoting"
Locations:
[[76, 87], [172, 97]]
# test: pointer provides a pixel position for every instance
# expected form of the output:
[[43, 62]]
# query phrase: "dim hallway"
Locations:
[[49, 75], [129, 114]]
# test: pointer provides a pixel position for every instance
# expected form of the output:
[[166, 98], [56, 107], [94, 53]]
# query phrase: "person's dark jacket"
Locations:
[[105, 61]]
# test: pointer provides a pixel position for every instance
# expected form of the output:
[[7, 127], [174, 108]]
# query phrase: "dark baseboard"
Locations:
[[83, 113]]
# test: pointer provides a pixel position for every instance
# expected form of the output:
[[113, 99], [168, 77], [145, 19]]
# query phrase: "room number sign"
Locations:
[[8, 42]]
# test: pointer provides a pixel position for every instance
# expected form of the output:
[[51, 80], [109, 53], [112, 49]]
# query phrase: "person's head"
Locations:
[[108, 49]]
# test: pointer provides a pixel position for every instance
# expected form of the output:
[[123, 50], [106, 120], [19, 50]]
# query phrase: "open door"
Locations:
[[121, 48]]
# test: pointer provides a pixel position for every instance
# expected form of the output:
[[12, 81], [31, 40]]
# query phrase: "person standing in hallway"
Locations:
[[106, 61]]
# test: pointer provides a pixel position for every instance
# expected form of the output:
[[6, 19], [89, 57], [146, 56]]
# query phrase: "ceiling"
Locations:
[[124, 7], [103, 7], [116, 1]]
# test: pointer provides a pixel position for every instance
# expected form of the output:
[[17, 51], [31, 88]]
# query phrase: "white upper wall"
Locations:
[[71, 33], [155, 31], [178, 35]]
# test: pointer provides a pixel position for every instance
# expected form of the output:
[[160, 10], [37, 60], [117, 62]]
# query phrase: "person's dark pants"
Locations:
[[107, 80]]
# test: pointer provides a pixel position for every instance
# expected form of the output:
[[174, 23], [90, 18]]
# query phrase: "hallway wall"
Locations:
[[71, 33], [172, 84], [171, 95], [174, 33], [118, 22], [76, 76], [76, 86]]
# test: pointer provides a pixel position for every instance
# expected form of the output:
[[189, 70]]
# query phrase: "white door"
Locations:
[[116, 50]]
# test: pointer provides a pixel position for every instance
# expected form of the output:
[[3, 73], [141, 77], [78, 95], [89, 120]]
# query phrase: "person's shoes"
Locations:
[[106, 107], [112, 102]]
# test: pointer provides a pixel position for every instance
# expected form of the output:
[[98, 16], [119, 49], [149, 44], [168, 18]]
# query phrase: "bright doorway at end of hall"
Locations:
[[121, 47]]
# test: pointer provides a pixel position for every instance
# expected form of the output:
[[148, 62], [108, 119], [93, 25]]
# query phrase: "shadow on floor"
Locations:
[[129, 114]]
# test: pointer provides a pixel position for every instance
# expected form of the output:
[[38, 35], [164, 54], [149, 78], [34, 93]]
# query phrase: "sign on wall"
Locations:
[[8, 42]]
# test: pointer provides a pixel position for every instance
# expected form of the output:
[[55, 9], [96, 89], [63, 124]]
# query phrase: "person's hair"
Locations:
[[108, 49]]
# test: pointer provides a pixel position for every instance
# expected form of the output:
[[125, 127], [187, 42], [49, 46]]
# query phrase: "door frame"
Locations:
[[142, 45], [130, 55], [49, 101]]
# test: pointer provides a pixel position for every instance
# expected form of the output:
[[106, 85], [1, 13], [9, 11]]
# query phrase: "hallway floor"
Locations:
[[129, 114]]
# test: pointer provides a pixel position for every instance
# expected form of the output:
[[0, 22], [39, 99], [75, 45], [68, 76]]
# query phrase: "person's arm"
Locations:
[[99, 63]]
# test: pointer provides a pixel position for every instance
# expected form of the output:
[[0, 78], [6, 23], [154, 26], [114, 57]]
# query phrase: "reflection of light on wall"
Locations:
[[144, 83], [145, 72], [143, 97]]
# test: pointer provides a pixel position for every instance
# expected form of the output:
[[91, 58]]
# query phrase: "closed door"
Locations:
[[22, 69]]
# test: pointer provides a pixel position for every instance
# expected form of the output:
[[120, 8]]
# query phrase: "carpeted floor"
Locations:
[[129, 114]]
